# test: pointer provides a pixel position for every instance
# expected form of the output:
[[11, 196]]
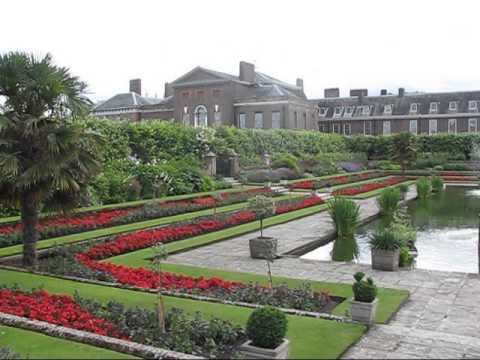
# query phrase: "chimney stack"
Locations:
[[300, 83], [401, 92], [331, 93], [136, 86], [247, 72], [383, 92], [168, 90], [359, 92]]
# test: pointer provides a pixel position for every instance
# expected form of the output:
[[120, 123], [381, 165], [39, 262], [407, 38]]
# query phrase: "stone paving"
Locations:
[[441, 319]]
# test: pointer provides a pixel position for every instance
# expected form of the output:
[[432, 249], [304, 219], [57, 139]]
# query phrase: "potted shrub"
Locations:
[[262, 247], [364, 303], [385, 245], [345, 214], [403, 190], [266, 329]]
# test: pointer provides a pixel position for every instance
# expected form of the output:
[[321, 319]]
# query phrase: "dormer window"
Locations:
[[472, 105], [433, 107], [413, 108], [322, 111], [348, 111], [452, 106], [387, 110], [338, 111], [366, 110]]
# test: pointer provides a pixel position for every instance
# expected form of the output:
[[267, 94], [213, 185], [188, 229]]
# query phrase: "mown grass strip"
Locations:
[[140, 202], [377, 191], [88, 235], [33, 345], [310, 338]]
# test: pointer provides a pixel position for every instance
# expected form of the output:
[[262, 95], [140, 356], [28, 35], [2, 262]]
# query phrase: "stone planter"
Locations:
[[386, 260], [261, 247], [364, 312], [253, 352]]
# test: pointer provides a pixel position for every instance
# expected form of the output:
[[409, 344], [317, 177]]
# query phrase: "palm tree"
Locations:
[[47, 156]]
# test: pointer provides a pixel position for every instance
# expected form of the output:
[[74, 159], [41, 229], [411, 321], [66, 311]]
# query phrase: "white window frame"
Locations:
[[413, 108], [322, 111], [472, 105], [348, 111], [338, 111], [452, 106], [454, 122], [370, 127], [473, 121], [258, 117], [277, 121], [242, 120], [366, 110], [388, 109], [389, 127], [345, 127], [198, 122], [337, 128], [413, 127], [432, 129], [433, 107]]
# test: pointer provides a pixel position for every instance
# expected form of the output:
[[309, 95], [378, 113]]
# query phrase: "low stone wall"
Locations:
[[123, 346]]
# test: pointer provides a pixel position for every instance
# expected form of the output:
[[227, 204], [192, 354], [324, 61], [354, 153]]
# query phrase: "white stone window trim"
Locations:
[[322, 111], [433, 107], [453, 106], [473, 105], [454, 122], [413, 108], [388, 109], [370, 127], [473, 121], [200, 110], [338, 111], [387, 127], [413, 126], [432, 130], [345, 127], [349, 111], [366, 110]]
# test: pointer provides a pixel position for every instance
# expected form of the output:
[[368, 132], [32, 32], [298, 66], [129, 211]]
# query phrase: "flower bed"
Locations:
[[10, 234], [370, 186], [333, 181], [459, 178]]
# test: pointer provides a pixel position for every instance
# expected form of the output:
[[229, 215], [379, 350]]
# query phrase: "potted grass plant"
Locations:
[[262, 247], [345, 214], [266, 329], [364, 303], [385, 245]]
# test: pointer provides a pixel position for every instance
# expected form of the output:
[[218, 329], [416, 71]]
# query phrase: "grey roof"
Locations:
[[401, 104], [126, 100]]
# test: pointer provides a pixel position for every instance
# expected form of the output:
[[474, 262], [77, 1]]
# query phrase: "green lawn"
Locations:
[[141, 202], [88, 235], [378, 191], [33, 345], [310, 338]]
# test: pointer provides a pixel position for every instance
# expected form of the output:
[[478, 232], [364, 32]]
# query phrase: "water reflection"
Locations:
[[447, 232]]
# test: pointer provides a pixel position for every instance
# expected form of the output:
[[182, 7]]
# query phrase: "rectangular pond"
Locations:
[[447, 232]]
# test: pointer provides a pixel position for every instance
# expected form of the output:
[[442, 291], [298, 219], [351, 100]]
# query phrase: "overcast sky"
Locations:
[[419, 45]]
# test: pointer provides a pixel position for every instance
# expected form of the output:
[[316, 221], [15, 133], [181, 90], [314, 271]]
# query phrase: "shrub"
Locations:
[[385, 239], [423, 187], [286, 161], [388, 202], [387, 165], [438, 168], [285, 174], [266, 327], [403, 188], [455, 167], [345, 214], [406, 258], [364, 291], [437, 184]]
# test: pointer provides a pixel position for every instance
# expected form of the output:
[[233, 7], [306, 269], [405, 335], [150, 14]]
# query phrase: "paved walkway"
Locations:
[[440, 320]]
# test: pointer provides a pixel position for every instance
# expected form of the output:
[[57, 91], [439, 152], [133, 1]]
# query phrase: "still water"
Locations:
[[447, 232]]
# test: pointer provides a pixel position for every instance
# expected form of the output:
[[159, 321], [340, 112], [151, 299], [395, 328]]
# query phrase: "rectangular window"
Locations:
[[304, 125], [413, 108], [336, 128], [242, 120], [387, 110], [472, 105], [472, 125], [338, 111], [276, 120], [452, 106], [347, 129], [367, 128], [432, 127], [386, 128], [433, 107], [295, 119], [348, 111], [452, 126], [413, 126], [259, 120]]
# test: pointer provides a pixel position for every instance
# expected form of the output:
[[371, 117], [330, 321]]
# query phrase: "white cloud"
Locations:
[[430, 46]]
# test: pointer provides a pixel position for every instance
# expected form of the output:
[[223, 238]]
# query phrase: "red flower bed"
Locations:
[[304, 185], [369, 187], [55, 309], [335, 180]]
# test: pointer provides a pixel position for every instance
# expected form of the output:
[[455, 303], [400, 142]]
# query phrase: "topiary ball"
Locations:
[[266, 327]]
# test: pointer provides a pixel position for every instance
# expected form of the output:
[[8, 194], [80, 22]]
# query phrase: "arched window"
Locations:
[[201, 116]]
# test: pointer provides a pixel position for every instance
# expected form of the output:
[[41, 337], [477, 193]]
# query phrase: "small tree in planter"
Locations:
[[385, 245], [160, 254], [364, 303], [266, 329], [262, 247]]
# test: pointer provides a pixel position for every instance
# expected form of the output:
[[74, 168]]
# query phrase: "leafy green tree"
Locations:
[[264, 207], [47, 156], [404, 149]]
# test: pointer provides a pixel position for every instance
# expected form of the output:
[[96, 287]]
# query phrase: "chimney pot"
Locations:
[[331, 93], [359, 92], [136, 86], [401, 92], [247, 72], [383, 92]]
